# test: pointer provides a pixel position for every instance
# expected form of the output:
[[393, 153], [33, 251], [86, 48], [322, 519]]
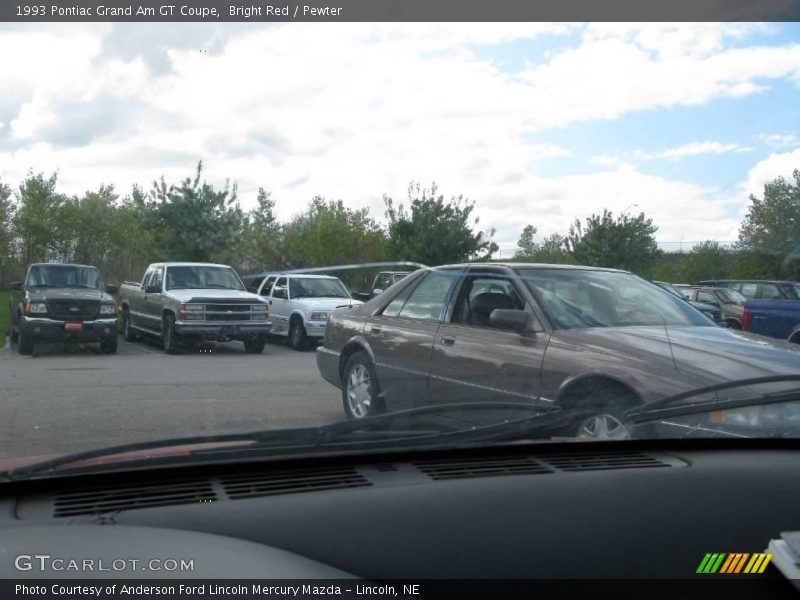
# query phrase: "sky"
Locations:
[[538, 123]]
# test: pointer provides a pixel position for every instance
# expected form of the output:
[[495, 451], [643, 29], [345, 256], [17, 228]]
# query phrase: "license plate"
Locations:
[[73, 326]]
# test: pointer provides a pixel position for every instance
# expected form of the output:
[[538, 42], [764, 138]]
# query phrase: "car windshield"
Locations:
[[213, 225], [64, 276], [575, 298], [202, 277], [729, 296], [317, 287]]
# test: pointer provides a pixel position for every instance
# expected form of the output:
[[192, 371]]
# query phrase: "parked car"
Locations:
[[727, 300], [182, 301], [300, 304], [757, 289], [773, 318], [63, 303], [712, 312], [382, 281], [592, 341]]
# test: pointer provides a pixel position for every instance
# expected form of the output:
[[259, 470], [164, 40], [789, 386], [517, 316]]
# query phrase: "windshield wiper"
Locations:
[[424, 427], [665, 408]]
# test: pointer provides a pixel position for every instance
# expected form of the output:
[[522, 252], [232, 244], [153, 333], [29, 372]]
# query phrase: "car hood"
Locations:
[[327, 303], [46, 294], [212, 293]]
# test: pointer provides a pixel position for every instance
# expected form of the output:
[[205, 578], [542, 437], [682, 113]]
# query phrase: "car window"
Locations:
[[281, 289], [427, 301], [157, 278], [267, 287], [706, 297], [748, 290], [791, 291], [480, 295], [770, 291], [383, 282]]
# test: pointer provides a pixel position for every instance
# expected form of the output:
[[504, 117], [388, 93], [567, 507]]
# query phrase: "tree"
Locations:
[[707, 260], [262, 237], [41, 221], [330, 233], [623, 243], [553, 250], [771, 229], [436, 232], [527, 246], [6, 215], [193, 221]]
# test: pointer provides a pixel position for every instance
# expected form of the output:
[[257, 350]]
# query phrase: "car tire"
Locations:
[[25, 343], [297, 335], [254, 344], [13, 335], [604, 412], [734, 324], [128, 333], [109, 346], [361, 395], [168, 335]]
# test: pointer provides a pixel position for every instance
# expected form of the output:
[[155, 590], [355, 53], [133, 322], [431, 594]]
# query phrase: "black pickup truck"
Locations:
[[63, 303]]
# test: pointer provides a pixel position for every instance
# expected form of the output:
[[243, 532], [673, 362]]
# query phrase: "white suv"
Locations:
[[299, 305]]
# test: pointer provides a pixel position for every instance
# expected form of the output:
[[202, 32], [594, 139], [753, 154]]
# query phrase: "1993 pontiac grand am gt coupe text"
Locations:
[[595, 342]]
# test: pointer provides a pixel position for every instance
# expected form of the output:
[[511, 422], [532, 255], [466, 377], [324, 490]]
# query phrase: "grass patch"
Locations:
[[5, 317]]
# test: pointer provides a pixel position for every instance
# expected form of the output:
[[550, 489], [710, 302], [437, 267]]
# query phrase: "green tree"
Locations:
[[526, 245], [41, 222], [262, 236], [193, 221], [436, 232], [771, 230], [707, 260], [553, 250], [623, 242], [6, 215]]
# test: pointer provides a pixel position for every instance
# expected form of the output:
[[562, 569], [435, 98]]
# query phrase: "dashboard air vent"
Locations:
[[143, 495], [482, 467], [602, 461], [291, 482]]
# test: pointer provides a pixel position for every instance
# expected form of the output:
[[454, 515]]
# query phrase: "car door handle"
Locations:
[[447, 340], [375, 329]]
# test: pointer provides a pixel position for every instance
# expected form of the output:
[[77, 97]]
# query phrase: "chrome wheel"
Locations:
[[359, 391], [602, 427]]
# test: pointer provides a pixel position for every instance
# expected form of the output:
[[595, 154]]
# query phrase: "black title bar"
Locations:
[[216, 11]]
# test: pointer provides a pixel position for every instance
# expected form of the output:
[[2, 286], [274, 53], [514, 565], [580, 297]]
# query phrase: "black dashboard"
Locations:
[[594, 511]]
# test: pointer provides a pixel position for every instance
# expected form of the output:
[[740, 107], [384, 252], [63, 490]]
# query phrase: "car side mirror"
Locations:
[[112, 289], [510, 318], [281, 294], [16, 285], [251, 289], [152, 289]]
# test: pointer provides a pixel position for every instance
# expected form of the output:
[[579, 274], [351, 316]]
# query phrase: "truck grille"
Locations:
[[73, 309], [228, 312]]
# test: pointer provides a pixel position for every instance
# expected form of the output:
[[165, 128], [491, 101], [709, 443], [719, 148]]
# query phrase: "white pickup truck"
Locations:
[[181, 301], [299, 305]]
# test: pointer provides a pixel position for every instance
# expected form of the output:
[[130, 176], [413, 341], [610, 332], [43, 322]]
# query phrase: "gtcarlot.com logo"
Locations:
[[734, 563]]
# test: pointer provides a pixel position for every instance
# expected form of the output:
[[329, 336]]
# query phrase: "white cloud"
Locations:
[[604, 160], [775, 165], [691, 149], [779, 141]]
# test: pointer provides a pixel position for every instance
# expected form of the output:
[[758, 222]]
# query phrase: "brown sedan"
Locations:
[[593, 341]]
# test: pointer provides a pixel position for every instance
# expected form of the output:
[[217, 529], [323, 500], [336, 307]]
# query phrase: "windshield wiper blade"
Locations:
[[431, 423], [665, 408]]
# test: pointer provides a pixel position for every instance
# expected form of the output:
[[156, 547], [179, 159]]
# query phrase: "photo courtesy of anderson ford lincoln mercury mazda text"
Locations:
[[385, 305]]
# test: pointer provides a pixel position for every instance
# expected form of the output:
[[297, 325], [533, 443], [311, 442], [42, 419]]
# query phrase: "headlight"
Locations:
[[36, 308], [319, 316], [108, 309], [191, 307]]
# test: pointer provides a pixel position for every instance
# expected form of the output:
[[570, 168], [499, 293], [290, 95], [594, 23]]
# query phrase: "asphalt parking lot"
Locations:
[[67, 399]]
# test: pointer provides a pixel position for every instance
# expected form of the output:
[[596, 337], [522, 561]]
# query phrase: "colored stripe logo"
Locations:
[[734, 563]]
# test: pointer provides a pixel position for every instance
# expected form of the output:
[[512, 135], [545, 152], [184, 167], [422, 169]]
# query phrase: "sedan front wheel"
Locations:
[[360, 389]]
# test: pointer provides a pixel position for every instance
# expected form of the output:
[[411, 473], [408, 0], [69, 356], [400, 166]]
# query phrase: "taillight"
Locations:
[[746, 319]]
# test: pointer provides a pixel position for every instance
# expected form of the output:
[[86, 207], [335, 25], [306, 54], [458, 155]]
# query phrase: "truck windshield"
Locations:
[[312, 287], [583, 298], [63, 276], [203, 277], [731, 297]]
